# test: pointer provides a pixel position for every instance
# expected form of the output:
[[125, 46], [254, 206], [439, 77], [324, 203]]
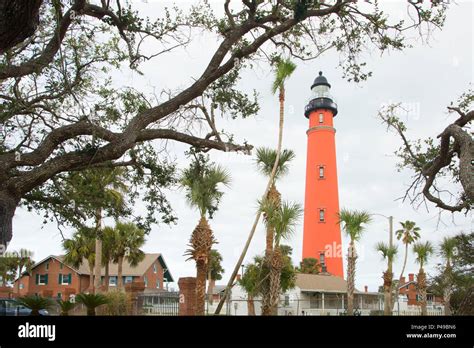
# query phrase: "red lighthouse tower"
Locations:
[[322, 233]]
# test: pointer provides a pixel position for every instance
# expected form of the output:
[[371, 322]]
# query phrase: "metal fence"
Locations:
[[166, 303]]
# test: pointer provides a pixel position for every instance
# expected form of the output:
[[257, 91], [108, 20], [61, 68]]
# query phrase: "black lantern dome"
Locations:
[[321, 97]]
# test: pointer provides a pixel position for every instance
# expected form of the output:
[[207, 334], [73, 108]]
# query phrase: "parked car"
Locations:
[[11, 307]]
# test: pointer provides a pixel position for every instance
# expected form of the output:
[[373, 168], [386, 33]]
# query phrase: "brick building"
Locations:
[[409, 293], [52, 277]]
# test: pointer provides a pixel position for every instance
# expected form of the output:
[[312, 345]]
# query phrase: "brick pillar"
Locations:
[[187, 296], [134, 289]]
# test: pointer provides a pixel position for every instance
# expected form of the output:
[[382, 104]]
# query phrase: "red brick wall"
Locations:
[[152, 277], [78, 283]]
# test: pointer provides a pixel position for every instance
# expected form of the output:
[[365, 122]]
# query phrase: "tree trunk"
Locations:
[[7, 210], [387, 288], [201, 268], [275, 277], [421, 282], [119, 273], [18, 21], [98, 250], [447, 301], [210, 288], [91, 278], [351, 266], [91, 312], [250, 305], [106, 277], [271, 179], [404, 264]]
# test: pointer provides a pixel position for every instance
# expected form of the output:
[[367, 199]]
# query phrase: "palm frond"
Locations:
[[388, 252], [423, 252], [266, 157], [202, 187], [283, 218], [284, 69], [447, 248], [353, 222]]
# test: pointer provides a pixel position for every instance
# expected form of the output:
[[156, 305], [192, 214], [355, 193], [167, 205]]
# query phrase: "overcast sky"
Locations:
[[426, 78]]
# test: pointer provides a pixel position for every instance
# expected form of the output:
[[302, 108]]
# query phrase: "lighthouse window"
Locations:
[[321, 118], [321, 215], [321, 172]]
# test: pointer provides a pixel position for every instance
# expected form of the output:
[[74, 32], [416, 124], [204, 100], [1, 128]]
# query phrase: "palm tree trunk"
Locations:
[[387, 287], [119, 272], [210, 288], [201, 268], [351, 268], [422, 290], [275, 276], [447, 301], [271, 179], [404, 264], [98, 250], [91, 278], [106, 277], [250, 305], [447, 291]]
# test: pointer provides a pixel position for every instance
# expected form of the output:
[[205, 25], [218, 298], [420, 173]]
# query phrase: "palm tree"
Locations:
[[354, 222], [92, 301], [447, 250], [35, 303], [25, 262], [283, 220], [214, 272], [127, 240], [98, 189], [79, 247], [409, 233], [66, 307], [388, 252], [423, 252], [250, 283], [265, 161], [284, 69], [108, 248], [201, 182]]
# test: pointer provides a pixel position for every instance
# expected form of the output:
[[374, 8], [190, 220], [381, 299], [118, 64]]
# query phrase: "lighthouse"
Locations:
[[321, 230]]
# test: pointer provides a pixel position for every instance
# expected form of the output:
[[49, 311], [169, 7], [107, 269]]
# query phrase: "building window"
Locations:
[[287, 300], [321, 215], [128, 279], [22, 286], [42, 279], [64, 279], [47, 266], [321, 118], [145, 280], [60, 266], [321, 172], [157, 283], [321, 259], [59, 295], [154, 268], [113, 281]]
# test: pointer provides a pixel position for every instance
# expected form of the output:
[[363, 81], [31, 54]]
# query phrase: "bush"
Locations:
[[119, 303]]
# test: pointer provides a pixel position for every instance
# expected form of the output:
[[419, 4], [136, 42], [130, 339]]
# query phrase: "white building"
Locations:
[[314, 294]]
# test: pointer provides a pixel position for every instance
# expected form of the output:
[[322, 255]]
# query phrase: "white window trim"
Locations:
[[39, 280]]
